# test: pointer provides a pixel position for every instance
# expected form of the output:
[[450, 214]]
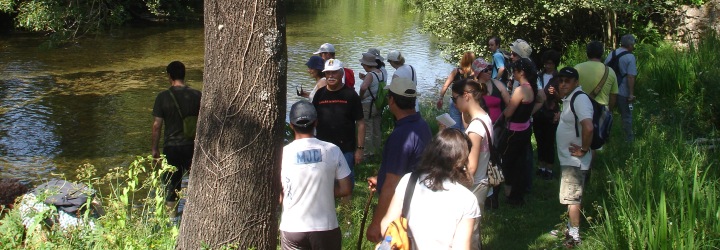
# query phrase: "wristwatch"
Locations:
[[584, 150], [360, 147]]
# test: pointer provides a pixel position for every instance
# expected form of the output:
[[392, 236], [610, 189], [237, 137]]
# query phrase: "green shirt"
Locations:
[[189, 101], [591, 73]]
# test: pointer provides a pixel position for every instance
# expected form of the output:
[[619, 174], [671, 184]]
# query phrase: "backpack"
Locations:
[[505, 76], [614, 64], [189, 122], [380, 101], [349, 77], [602, 121]]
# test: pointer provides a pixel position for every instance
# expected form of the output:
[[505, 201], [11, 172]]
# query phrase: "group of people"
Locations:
[[496, 107]]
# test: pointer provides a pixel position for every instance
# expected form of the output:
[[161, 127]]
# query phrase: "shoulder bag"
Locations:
[[398, 229]]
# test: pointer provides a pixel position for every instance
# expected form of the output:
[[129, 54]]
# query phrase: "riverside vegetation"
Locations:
[[662, 192]]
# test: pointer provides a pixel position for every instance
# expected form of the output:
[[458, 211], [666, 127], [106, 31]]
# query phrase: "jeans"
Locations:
[[456, 116], [626, 116]]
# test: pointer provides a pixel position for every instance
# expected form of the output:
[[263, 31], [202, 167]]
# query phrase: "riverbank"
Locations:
[[660, 192]]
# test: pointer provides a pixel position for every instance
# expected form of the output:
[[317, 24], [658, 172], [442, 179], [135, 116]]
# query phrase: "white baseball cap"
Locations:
[[326, 47], [333, 64]]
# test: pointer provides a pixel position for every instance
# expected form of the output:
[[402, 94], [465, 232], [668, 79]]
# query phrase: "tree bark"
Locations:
[[234, 185]]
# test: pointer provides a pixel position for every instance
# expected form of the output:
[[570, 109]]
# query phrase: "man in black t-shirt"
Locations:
[[171, 106], [339, 112]]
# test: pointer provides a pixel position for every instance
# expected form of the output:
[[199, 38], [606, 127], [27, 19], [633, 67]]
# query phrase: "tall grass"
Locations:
[[663, 192]]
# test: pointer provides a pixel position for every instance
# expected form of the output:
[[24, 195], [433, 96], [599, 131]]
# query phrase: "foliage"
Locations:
[[467, 25], [135, 216], [686, 77], [67, 20]]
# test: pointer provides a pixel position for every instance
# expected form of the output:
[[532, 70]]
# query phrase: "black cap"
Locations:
[[569, 72], [302, 114]]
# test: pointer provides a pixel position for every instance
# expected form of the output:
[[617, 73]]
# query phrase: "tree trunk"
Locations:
[[234, 186]]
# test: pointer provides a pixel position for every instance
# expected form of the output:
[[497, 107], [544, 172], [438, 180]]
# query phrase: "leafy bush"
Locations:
[[135, 216]]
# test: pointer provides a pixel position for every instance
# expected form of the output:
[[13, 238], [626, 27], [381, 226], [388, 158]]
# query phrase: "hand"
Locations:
[[362, 76], [576, 150], [373, 233], [631, 98], [556, 118], [372, 183], [156, 156], [551, 90], [358, 156], [440, 103]]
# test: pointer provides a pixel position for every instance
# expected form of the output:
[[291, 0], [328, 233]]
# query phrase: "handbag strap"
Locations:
[[176, 104], [409, 193], [600, 85], [494, 157]]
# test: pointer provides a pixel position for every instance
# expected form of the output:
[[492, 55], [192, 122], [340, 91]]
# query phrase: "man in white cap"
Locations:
[[402, 151], [340, 113], [627, 70], [327, 51], [310, 168], [402, 70]]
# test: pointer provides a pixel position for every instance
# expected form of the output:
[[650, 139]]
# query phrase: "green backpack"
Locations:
[[189, 122], [380, 101]]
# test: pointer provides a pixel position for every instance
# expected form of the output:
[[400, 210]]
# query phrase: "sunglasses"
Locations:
[[454, 98]]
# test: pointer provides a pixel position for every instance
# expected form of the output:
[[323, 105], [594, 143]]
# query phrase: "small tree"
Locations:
[[234, 185]]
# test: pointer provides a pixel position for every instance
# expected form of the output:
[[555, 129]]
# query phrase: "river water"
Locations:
[[92, 102]]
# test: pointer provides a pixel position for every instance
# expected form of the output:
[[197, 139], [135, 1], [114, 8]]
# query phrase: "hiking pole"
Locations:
[[364, 216]]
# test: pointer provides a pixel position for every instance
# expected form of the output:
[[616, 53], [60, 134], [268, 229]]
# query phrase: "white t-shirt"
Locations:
[[308, 173], [433, 217], [408, 71], [566, 130], [476, 127], [545, 79]]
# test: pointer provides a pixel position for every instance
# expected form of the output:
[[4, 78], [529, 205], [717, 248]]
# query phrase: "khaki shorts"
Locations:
[[571, 185]]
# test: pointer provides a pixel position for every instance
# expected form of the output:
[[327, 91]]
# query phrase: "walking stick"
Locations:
[[362, 223]]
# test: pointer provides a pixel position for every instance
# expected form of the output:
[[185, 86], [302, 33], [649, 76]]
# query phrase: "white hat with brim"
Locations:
[[333, 65], [368, 59], [521, 47], [403, 86]]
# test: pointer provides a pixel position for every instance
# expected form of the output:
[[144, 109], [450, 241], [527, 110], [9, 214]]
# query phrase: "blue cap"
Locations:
[[316, 62]]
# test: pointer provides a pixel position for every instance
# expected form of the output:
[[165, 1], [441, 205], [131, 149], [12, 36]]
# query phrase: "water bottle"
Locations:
[[385, 245]]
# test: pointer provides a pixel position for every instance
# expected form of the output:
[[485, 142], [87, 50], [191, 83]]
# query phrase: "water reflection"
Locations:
[[92, 102]]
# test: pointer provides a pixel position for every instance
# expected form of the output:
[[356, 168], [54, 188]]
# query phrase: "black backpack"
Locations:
[[614, 64], [602, 121]]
